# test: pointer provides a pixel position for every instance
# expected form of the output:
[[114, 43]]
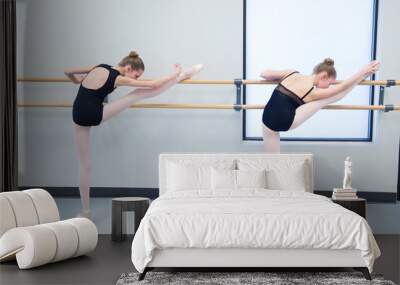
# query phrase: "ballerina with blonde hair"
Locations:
[[297, 97], [88, 110]]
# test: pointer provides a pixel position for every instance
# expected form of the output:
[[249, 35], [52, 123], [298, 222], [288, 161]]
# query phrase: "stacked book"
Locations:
[[344, 194]]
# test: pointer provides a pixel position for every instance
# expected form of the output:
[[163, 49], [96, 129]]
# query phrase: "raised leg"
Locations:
[[82, 138], [115, 107], [271, 140], [304, 112], [364, 271], [121, 104]]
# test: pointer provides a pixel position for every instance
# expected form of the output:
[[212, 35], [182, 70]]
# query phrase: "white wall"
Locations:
[[54, 34]]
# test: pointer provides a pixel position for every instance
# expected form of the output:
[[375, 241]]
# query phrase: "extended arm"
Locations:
[[347, 85], [149, 84], [275, 75]]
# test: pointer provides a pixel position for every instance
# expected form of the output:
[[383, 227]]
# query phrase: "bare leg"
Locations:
[[304, 112], [121, 104], [271, 140], [82, 137]]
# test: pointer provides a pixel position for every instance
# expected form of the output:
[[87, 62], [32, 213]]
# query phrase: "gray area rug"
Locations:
[[243, 278]]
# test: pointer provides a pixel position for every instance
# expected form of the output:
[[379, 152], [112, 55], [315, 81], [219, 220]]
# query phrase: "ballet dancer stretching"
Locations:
[[297, 97], [88, 110]]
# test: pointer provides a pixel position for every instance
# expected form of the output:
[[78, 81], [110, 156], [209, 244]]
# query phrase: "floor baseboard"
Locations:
[[152, 193]]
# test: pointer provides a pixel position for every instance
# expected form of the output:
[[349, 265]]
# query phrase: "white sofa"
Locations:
[[31, 231]]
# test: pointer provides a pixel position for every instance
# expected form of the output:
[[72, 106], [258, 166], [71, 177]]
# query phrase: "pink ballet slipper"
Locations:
[[190, 72]]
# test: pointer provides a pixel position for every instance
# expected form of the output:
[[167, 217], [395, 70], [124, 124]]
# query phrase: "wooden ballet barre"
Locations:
[[364, 82], [216, 82], [252, 107], [64, 79], [43, 79], [216, 106]]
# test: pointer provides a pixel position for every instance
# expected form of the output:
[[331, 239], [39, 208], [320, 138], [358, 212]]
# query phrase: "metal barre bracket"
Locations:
[[388, 108], [381, 95], [390, 82], [238, 83], [237, 107]]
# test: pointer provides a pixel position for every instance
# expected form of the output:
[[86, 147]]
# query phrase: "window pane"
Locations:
[[285, 35]]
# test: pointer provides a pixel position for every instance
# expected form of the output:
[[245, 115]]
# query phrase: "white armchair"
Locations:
[[31, 230]]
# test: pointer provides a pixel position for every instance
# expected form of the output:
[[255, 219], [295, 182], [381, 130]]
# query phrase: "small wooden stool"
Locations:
[[125, 204]]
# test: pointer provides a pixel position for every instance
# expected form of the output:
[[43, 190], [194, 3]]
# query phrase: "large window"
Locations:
[[292, 34]]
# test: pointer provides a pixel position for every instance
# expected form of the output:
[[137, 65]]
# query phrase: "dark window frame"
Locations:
[[371, 97], [398, 176]]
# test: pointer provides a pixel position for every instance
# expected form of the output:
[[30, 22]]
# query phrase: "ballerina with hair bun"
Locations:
[[297, 97], [88, 109]]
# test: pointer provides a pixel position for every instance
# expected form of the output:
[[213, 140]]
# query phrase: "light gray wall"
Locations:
[[54, 34], [125, 150]]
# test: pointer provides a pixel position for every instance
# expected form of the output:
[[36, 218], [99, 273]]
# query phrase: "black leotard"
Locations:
[[281, 108], [88, 105]]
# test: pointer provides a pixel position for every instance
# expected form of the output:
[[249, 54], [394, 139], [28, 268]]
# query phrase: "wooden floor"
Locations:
[[389, 262], [110, 260]]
